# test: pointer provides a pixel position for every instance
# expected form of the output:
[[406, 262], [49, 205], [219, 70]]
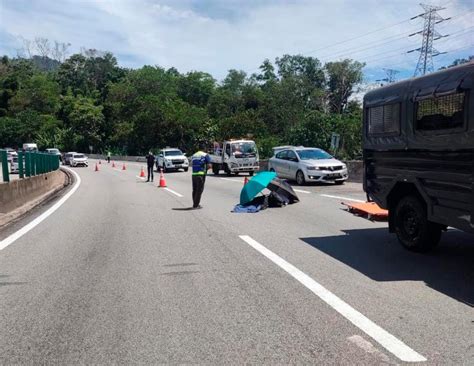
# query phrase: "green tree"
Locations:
[[343, 76], [196, 88], [39, 93]]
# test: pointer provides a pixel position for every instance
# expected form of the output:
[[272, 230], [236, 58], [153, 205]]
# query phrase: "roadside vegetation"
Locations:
[[87, 100]]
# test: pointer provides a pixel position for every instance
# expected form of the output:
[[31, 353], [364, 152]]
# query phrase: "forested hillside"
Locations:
[[88, 100]]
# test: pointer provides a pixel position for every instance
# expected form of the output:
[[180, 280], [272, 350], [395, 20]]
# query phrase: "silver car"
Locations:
[[78, 160], [307, 164], [67, 157]]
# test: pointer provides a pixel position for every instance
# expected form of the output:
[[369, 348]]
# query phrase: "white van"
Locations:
[[30, 147]]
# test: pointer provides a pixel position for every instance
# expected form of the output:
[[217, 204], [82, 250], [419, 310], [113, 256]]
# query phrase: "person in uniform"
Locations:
[[201, 164], [150, 162]]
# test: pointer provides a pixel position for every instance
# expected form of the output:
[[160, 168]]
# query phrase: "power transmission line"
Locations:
[[379, 43], [427, 51], [452, 36], [357, 37]]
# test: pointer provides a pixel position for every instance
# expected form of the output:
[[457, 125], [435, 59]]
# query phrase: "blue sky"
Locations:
[[215, 36]]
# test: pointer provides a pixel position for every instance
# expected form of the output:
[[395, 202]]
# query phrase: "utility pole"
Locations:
[[427, 52], [390, 76]]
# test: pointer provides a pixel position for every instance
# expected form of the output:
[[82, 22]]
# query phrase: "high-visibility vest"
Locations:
[[199, 163]]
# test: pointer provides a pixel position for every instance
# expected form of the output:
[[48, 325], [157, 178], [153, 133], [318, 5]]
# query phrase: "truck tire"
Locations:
[[412, 227], [216, 169], [227, 170], [251, 174]]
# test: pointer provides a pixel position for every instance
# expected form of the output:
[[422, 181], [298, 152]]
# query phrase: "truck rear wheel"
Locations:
[[216, 169], [227, 170], [412, 227]]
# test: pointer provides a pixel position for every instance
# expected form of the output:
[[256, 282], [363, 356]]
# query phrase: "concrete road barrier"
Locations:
[[18, 193]]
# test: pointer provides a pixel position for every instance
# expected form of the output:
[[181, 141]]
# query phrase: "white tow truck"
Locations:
[[234, 157]]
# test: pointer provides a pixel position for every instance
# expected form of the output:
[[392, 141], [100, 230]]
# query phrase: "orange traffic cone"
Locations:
[[162, 180], [96, 167], [124, 167], [246, 180], [113, 164], [142, 173]]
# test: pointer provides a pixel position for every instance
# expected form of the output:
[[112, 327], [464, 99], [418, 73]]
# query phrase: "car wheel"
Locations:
[[412, 227], [186, 169], [300, 178], [272, 170], [251, 174], [216, 169], [339, 182], [164, 168]]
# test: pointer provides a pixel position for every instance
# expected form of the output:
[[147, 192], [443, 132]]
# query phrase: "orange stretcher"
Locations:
[[369, 209]]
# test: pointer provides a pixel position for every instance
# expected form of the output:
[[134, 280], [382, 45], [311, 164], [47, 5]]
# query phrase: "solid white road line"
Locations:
[[175, 193], [301, 191], [18, 234], [342, 198], [388, 341]]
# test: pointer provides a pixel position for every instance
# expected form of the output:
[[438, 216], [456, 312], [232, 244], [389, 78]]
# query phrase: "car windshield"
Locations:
[[244, 148], [55, 151], [78, 156], [313, 154], [173, 153]]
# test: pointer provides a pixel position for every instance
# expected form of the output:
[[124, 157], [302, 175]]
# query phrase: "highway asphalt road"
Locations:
[[123, 273]]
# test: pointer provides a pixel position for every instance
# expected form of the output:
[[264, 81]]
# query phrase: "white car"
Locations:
[[78, 160], [307, 164], [56, 152], [172, 159]]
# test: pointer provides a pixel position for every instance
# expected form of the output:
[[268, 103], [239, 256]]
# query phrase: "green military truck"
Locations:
[[418, 148]]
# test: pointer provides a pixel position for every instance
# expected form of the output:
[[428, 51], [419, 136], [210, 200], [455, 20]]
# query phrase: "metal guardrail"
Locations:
[[29, 164]]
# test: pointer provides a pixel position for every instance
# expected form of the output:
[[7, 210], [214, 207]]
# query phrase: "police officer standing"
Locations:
[[201, 163], [150, 162]]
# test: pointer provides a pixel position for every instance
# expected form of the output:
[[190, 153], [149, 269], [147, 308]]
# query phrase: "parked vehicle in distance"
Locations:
[[171, 159], [307, 164], [67, 157], [30, 147], [418, 146], [54, 151], [78, 160], [234, 157], [10, 153], [14, 169]]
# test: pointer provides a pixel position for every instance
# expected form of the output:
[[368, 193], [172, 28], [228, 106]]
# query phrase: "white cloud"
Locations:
[[215, 36]]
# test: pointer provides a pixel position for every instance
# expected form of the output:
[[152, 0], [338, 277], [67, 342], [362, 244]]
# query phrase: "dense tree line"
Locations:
[[88, 100]]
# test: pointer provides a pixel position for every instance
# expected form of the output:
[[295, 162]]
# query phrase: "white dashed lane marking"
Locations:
[[341, 198]]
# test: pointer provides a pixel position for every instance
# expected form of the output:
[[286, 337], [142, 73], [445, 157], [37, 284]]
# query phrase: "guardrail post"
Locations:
[[27, 164], [4, 160], [20, 164], [34, 163]]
